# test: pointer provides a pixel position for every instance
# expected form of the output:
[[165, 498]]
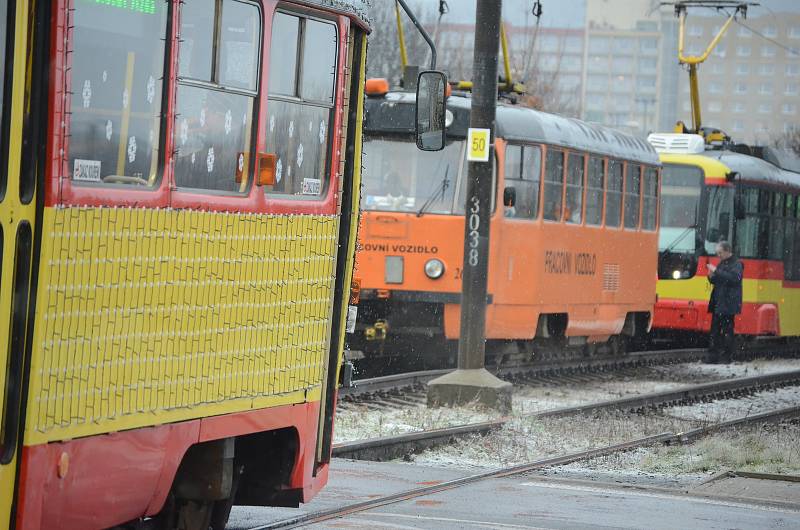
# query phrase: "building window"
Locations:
[[623, 44], [767, 51], [740, 88], [594, 191], [599, 45], [715, 106], [789, 108], [792, 70], [791, 89], [553, 185], [302, 80], [743, 50], [770, 31], [794, 32], [696, 31], [217, 85], [742, 69], [766, 69], [744, 32], [720, 50], [764, 108], [718, 68], [116, 97], [647, 65], [738, 107], [738, 126], [714, 88], [621, 65], [648, 45]]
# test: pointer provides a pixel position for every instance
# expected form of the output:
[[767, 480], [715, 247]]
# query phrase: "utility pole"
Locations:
[[471, 381]]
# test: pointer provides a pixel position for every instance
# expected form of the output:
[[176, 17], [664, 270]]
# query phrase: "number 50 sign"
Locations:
[[478, 141]]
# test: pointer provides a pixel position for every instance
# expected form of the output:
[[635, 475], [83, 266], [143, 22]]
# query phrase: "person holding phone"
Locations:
[[725, 303]]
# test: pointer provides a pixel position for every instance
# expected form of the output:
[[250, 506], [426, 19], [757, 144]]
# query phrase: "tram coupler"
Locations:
[[377, 331]]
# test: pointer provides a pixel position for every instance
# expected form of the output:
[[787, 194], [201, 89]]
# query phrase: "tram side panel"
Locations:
[[183, 332]]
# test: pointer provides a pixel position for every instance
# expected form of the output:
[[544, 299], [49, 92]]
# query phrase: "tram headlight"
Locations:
[[434, 269], [676, 275]]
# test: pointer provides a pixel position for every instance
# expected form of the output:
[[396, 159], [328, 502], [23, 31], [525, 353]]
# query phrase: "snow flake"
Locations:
[[322, 131], [151, 89], [240, 163], [184, 131], [193, 157], [300, 155], [278, 170], [132, 149], [291, 129], [210, 160], [125, 98], [272, 123], [109, 130], [105, 76], [228, 122], [202, 117], [310, 126], [87, 94]]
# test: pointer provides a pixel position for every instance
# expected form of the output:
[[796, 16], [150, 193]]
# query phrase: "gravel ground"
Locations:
[[728, 409], [358, 422], [761, 449]]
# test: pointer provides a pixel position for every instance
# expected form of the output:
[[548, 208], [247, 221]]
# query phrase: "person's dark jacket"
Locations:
[[726, 297]]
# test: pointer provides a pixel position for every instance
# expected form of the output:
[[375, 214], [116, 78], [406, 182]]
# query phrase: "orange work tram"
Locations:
[[178, 235], [573, 242]]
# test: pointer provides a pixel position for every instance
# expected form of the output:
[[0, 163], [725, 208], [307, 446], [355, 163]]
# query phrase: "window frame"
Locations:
[[639, 168], [567, 165], [59, 186], [564, 155], [334, 117], [604, 166], [522, 146], [621, 191], [193, 194], [7, 69]]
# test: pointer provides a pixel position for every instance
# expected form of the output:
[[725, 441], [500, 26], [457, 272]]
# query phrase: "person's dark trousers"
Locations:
[[722, 343]]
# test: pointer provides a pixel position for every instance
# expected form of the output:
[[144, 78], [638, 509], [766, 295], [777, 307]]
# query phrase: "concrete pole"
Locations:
[[471, 382]]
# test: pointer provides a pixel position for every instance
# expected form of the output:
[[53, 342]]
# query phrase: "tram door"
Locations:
[[17, 211]]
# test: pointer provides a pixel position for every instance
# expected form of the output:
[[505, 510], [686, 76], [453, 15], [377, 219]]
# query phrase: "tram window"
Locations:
[[776, 235], [522, 169], [553, 185], [299, 113], [117, 69], [614, 194], [632, 192], [214, 118], [319, 67], [283, 72], [594, 191], [650, 200], [573, 213]]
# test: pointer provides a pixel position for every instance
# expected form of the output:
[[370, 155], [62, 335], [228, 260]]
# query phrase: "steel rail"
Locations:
[[667, 437], [645, 358], [390, 447]]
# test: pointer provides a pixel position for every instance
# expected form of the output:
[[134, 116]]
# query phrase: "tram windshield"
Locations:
[[398, 177], [681, 189]]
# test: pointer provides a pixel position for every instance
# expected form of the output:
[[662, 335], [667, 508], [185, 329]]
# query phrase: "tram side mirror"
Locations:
[[509, 197], [430, 118]]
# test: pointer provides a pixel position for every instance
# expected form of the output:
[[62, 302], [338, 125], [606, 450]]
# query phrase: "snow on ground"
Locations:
[[722, 410], [761, 449], [359, 422]]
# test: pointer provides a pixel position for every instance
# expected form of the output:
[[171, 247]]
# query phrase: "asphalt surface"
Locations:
[[519, 502]]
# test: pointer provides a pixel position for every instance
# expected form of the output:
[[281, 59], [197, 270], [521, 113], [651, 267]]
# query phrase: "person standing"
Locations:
[[725, 302]]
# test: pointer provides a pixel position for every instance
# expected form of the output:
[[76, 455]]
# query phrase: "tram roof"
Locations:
[[358, 9], [394, 113], [754, 169]]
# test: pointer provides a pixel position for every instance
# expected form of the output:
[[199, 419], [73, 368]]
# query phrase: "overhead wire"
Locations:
[[758, 33]]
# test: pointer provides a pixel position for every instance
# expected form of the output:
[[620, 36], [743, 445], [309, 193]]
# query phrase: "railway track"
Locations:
[[411, 386], [392, 447], [663, 438]]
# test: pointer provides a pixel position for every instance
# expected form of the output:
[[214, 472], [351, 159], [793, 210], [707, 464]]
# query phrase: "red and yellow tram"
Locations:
[[178, 227], [573, 234], [749, 196]]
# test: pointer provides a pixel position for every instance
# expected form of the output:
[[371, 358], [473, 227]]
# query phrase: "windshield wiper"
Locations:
[[440, 190], [678, 239]]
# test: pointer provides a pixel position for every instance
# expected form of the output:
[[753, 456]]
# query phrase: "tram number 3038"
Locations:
[[474, 224]]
